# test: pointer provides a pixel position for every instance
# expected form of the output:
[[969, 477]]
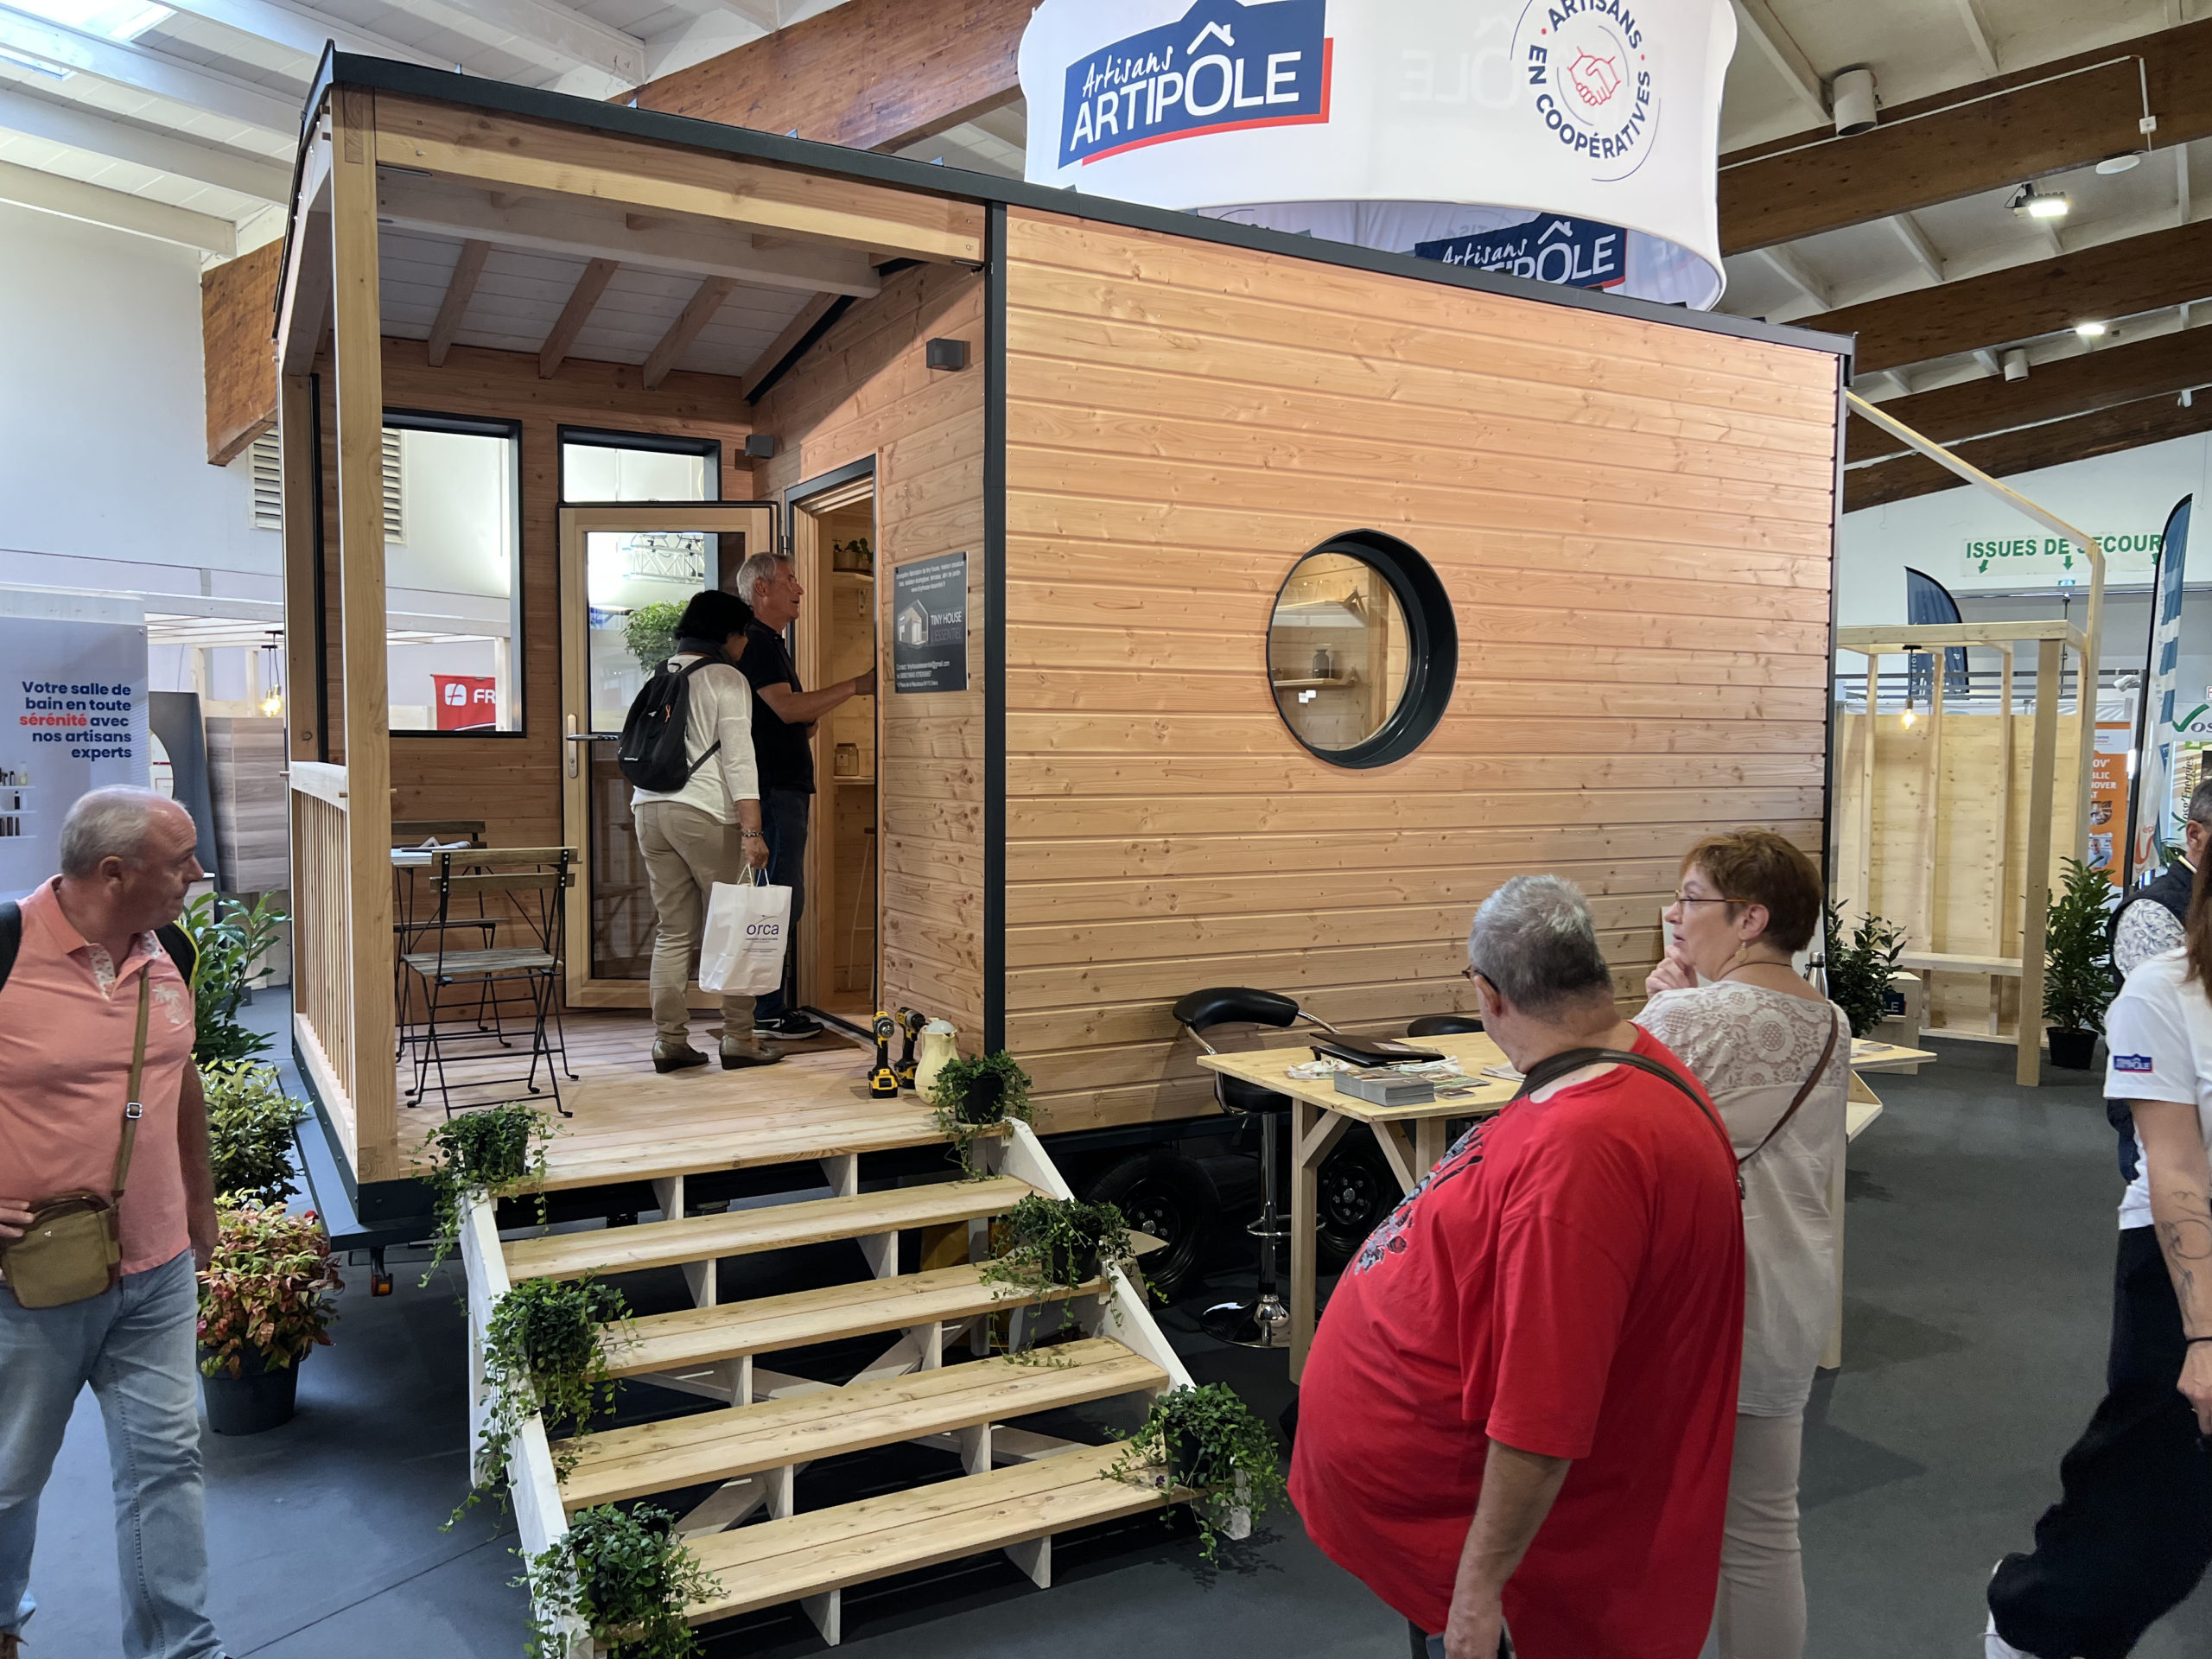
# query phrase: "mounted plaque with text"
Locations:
[[929, 625]]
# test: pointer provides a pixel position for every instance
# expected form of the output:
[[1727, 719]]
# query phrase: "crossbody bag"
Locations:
[[71, 1249]]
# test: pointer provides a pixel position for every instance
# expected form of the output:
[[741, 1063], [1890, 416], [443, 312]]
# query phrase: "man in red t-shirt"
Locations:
[[1521, 1403]]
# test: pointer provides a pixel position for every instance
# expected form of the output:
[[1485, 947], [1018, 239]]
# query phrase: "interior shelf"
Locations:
[[1310, 684]]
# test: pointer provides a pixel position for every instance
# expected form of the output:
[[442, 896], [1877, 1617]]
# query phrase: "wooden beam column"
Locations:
[[359, 352], [298, 483], [2035, 881]]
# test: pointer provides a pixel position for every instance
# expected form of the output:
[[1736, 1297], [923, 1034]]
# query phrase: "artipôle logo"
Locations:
[[1590, 73]]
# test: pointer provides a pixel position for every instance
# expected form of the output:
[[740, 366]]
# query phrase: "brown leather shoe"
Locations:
[[738, 1052], [667, 1056]]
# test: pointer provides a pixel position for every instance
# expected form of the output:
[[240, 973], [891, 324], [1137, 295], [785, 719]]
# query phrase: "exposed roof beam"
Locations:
[[2122, 278], [150, 72], [2129, 426], [543, 30], [71, 199], [710, 297], [570, 225], [1774, 41], [1978, 35], [1984, 136], [61, 121], [296, 28], [1917, 243], [2181, 184], [2159, 366], [1792, 271], [786, 343], [461, 288], [576, 312]]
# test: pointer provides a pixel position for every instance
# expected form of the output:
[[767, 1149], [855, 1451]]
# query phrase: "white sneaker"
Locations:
[[1994, 1646]]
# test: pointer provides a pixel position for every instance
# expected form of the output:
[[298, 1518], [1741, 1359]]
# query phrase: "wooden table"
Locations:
[[1860, 1108], [1411, 1139]]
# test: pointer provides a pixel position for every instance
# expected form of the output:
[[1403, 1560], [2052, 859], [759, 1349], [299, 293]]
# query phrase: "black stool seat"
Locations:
[[1444, 1024]]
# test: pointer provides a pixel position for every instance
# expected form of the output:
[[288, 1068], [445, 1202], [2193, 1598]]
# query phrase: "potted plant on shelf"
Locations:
[[625, 1577], [970, 1097], [542, 1354], [483, 1154], [2077, 965], [251, 1123], [265, 1302], [231, 941], [1207, 1441], [1859, 966]]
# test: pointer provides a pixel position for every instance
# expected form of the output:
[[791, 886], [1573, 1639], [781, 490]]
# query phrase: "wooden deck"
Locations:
[[632, 1123]]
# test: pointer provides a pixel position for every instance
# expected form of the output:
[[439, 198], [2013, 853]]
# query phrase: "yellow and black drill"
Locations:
[[882, 1080], [911, 1021]]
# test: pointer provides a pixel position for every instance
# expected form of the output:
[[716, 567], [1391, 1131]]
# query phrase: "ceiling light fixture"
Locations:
[[2126, 161], [1851, 95], [2090, 330], [2029, 202]]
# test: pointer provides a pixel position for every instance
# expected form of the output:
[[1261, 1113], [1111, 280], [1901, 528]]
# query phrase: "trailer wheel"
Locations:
[[1357, 1194], [1170, 1198]]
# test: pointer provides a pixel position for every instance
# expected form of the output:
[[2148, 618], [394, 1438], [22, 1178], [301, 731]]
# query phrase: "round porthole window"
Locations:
[[1362, 650]]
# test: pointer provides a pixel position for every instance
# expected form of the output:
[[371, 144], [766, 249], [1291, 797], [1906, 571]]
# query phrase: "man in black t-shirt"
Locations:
[[782, 729]]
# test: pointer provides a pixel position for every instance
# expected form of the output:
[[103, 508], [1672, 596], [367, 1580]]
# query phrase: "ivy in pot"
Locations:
[[484, 1153], [250, 1122], [2077, 985], [1860, 964], [625, 1576], [1207, 1442], [1056, 1244], [264, 1302], [542, 1354], [969, 1097]]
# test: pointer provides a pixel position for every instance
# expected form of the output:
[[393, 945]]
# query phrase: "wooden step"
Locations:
[[735, 1440], [770, 1227], [699, 1335], [775, 1561], [785, 1133]]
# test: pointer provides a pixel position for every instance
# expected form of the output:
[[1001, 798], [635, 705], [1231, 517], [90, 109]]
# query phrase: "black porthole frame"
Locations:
[[1432, 640]]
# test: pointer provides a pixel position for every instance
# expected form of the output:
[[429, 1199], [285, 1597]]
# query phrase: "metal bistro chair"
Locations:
[[1263, 1322], [534, 881], [409, 856]]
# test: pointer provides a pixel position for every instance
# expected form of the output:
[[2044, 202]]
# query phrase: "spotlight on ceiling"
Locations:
[[2090, 330], [1851, 94], [2126, 161], [2015, 363], [2030, 203]]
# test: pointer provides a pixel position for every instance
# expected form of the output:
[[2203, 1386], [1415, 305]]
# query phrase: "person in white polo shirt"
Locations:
[[2131, 1532]]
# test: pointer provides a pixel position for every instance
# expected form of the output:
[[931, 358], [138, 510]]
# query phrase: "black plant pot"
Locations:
[[2076, 1050], [1192, 1464], [984, 1101], [1069, 1265], [260, 1397]]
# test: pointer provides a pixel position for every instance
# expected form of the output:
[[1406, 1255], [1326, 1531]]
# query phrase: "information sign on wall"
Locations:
[[2038, 560], [2108, 798], [929, 624]]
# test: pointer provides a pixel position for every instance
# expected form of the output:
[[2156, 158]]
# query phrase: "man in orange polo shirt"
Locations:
[[68, 1015]]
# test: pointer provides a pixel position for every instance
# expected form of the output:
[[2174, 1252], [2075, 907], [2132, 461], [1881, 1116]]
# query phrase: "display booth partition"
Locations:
[[1085, 445]]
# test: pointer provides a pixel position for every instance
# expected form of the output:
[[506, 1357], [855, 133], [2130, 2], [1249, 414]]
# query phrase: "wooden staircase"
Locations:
[[762, 1428]]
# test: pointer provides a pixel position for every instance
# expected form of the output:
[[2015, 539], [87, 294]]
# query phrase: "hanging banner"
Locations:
[[1401, 124], [2109, 797], [1572, 253], [466, 703], [2149, 831]]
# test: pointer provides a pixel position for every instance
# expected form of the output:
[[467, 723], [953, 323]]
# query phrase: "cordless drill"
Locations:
[[911, 1021], [882, 1080]]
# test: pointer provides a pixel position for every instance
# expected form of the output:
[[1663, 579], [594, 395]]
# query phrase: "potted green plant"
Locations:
[[542, 1354], [650, 632], [231, 940], [251, 1123], [1207, 1442], [625, 1577], [970, 1097], [1860, 964], [2077, 965], [265, 1302], [498, 1150], [1058, 1242]]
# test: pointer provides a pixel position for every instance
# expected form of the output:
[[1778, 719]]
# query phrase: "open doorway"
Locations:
[[833, 552]]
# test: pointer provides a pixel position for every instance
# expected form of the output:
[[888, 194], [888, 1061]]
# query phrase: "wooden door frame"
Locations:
[[580, 989]]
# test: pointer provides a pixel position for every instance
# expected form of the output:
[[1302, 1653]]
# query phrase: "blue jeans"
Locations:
[[134, 1346], [783, 820]]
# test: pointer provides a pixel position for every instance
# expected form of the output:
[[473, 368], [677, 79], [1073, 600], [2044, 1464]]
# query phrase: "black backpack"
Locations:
[[175, 940], [651, 755]]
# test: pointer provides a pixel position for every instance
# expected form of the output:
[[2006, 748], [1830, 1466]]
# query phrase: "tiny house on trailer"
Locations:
[[1246, 607]]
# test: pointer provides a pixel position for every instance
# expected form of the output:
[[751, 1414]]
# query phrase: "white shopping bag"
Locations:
[[741, 950]]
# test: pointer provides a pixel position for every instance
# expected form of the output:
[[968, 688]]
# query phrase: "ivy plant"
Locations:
[[1860, 964], [266, 1290], [229, 938], [2077, 950], [487, 1152], [250, 1122], [542, 1354], [625, 1576], [650, 632], [970, 1099], [1207, 1442]]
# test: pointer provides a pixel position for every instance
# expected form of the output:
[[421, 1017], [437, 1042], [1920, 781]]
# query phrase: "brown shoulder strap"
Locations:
[[131, 1110], [1804, 1090]]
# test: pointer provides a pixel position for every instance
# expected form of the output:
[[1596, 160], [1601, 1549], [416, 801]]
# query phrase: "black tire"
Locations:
[[1357, 1194], [1170, 1198]]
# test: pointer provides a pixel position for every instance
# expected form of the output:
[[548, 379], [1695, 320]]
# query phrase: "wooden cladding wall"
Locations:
[[237, 318], [862, 390], [1634, 521]]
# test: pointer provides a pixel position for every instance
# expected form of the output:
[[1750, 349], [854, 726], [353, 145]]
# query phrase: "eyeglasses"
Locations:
[[1682, 898]]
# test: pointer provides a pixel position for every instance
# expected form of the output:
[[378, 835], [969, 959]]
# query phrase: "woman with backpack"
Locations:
[[1775, 1055], [701, 822]]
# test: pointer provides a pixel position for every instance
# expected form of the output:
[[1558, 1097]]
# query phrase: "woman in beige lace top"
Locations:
[[1775, 1055]]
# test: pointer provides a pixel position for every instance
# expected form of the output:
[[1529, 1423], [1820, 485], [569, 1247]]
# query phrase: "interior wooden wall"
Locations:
[[1635, 522], [237, 320], [864, 389]]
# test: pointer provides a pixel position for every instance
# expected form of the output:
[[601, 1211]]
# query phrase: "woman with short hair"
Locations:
[[1775, 1055]]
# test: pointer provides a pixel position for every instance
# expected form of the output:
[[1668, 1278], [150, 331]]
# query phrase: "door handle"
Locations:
[[575, 737]]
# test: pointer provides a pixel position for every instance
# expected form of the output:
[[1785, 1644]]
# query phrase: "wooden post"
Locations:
[[1866, 789], [2042, 765], [2086, 725], [1997, 910], [1934, 806], [298, 482], [359, 354]]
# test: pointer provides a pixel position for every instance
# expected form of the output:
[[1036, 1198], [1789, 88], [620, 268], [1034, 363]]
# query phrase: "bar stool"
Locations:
[[1264, 1321], [1444, 1024]]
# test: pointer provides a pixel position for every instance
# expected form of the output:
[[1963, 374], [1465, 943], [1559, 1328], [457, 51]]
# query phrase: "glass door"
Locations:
[[627, 572]]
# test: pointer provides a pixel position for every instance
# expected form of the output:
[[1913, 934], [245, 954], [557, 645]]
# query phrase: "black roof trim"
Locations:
[[346, 68]]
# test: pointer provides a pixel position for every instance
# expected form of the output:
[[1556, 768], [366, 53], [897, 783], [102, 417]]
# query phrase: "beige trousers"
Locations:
[[1760, 1613], [686, 852]]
